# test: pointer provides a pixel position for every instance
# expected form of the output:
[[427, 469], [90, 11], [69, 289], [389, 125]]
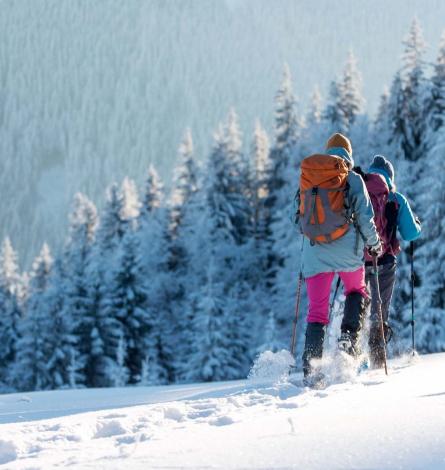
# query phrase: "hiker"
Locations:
[[392, 213], [336, 216]]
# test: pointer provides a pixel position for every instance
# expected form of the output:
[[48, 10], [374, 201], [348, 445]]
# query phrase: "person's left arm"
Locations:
[[408, 224]]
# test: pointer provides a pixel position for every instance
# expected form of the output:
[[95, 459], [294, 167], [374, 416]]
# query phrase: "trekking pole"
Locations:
[[379, 308], [411, 249], [297, 302], [297, 314], [331, 307]]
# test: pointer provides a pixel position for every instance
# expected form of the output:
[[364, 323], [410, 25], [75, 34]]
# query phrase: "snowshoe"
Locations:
[[348, 344], [316, 381]]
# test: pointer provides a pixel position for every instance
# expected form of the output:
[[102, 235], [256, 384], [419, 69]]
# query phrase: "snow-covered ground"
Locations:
[[373, 422]]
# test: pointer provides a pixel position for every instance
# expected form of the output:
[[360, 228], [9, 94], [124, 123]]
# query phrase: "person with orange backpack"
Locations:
[[336, 218], [392, 214]]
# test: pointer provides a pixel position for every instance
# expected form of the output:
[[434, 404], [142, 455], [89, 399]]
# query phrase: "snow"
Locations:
[[372, 421]]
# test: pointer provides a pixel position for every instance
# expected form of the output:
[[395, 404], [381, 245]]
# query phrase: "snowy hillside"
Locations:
[[374, 422], [93, 91]]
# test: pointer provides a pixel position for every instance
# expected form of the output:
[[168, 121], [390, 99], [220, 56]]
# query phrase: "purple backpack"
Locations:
[[385, 213]]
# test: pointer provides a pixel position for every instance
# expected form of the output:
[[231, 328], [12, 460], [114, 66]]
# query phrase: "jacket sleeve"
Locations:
[[362, 208], [409, 228]]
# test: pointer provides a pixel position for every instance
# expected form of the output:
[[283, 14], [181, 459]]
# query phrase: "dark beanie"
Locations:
[[381, 163]]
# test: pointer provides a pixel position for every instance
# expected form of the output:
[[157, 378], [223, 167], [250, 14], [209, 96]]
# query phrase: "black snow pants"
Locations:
[[387, 278]]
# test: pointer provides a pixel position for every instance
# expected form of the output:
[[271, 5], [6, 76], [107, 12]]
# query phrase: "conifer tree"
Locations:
[[155, 248], [414, 94], [334, 115], [315, 109], [287, 132], [436, 101], [430, 299], [78, 298], [30, 369], [10, 309], [351, 100]]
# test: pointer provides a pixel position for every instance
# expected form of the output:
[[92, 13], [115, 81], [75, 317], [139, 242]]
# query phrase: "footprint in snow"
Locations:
[[173, 413], [109, 429], [222, 421], [8, 451], [288, 405], [114, 416]]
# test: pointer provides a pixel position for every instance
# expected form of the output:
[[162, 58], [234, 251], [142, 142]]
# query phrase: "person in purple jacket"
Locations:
[[399, 219]]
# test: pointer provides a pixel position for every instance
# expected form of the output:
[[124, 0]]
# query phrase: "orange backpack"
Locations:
[[323, 198]]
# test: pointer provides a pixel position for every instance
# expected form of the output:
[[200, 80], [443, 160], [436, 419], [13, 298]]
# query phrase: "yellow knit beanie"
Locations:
[[339, 140]]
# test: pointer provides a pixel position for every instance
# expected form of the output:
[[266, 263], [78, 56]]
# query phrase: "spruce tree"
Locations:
[[430, 295], [30, 369], [334, 115], [155, 248], [287, 132], [223, 226], [10, 309], [414, 94], [351, 98], [435, 106], [79, 299]]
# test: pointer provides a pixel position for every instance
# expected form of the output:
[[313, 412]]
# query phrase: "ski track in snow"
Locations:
[[371, 422]]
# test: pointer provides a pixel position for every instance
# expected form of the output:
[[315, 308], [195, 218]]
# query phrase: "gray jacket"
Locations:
[[345, 253]]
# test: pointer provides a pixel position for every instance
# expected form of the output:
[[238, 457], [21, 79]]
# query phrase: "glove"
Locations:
[[375, 250]]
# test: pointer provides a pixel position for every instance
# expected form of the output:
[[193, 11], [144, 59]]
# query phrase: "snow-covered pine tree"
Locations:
[[285, 252], [117, 370], [154, 255], [219, 262], [208, 361], [123, 307], [415, 93], [345, 108], [395, 121], [407, 109], [315, 109], [118, 217], [380, 132], [262, 173], [288, 126], [187, 182], [270, 341], [110, 230], [351, 97], [334, 116], [260, 277], [127, 301], [63, 367], [153, 190], [430, 296], [29, 371], [353, 105], [435, 102], [10, 309], [79, 307]]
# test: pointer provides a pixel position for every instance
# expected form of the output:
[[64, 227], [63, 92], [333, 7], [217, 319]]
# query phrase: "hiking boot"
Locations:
[[354, 314], [316, 380], [348, 343], [313, 348]]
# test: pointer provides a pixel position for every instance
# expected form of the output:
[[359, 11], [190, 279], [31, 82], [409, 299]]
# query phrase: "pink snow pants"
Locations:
[[319, 289]]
